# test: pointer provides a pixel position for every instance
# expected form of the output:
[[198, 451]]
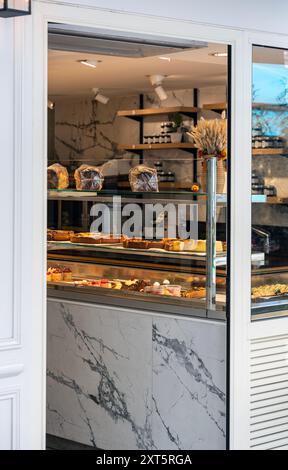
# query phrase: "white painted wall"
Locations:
[[261, 15]]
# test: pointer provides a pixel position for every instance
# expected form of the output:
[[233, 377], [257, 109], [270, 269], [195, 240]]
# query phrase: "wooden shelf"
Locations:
[[218, 107], [261, 106], [267, 151], [140, 113], [162, 186], [270, 107], [181, 146]]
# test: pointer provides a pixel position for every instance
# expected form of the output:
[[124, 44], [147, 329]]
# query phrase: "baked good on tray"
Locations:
[[269, 290], [195, 293], [202, 246], [189, 245], [86, 237], [174, 245], [49, 235], [57, 177], [143, 178], [62, 235], [67, 274], [88, 178], [137, 243], [155, 244], [111, 239]]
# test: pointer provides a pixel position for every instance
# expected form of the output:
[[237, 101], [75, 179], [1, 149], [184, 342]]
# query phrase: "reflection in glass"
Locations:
[[269, 178]]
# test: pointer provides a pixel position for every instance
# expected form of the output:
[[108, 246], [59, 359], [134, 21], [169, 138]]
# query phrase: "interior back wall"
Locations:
[[87, 131]]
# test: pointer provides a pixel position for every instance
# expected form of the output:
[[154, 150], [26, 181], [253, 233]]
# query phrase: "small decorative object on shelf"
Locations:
[[176, 133], [12, 8], [195, 188]]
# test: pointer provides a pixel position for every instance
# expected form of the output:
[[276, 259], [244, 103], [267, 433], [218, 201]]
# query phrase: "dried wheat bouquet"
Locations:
[[210, 136]]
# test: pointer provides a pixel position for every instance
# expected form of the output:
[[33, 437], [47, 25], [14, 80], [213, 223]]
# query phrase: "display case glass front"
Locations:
[[152, 265]]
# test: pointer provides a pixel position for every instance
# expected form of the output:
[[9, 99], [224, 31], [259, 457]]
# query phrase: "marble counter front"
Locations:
[[126, 379]]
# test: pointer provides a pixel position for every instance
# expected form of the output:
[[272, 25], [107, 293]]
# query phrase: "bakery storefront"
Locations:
[[138, 249]]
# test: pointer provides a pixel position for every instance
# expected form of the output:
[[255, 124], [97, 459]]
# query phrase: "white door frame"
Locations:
[[43, 13]]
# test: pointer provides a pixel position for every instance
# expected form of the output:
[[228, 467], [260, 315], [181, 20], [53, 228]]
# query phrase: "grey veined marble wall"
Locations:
[[126, 380]]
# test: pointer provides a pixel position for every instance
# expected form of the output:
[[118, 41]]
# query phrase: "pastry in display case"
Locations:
[[143, 178], [57, 177], [88, 178], [143, 281]]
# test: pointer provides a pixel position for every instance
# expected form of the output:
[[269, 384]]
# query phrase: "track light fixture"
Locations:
[[50, 104], [99, 97], [156, 82]]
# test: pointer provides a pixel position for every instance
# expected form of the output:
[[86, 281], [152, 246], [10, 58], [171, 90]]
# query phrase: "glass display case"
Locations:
[[269, 179], [153, 268], [150, 271]]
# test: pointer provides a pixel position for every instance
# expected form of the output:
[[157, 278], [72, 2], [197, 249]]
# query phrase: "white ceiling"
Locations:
[[120, 75]]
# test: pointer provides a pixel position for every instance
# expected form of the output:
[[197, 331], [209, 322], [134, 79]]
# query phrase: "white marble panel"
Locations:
[[88, 131], [189, 370], [99, 376]]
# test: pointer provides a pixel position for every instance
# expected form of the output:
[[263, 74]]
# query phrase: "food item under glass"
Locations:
[[62, 235], [163, 289], [155, 244], [195, 293], [189, 245], [174, 245], [86, 237], [67, 274], [88, 178], [57, 176], [269, 290], [49, 235], [143, 179], [138, 243], [56, 274]]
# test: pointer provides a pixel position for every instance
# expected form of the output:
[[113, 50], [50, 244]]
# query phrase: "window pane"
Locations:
[[269, 180]]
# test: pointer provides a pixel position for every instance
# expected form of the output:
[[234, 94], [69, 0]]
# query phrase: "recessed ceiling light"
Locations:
[[165, 58], [90, 63], [219, 54]]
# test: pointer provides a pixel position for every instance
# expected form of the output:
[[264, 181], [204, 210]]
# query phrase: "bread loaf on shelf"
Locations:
[[57, 177], [88, 178], [143, 179]]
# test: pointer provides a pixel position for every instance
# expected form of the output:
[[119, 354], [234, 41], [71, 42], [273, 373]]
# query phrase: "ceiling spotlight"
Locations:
[[161, 93], [219, 54], [50, 104], [90, 63], [99, 97], [168, 59], [156, 82]]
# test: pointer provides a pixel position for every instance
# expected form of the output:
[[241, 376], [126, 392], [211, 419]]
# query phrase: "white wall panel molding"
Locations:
[[11, 370], [10, 418], [13, 315]]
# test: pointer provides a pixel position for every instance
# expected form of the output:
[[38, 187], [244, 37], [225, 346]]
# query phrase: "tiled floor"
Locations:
[[58, 443]]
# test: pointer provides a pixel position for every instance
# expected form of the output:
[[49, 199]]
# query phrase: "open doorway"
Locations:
[[136, 355]]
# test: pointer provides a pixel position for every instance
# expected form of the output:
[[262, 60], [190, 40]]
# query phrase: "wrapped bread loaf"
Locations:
[[89, 178], [143, 178], [57, 176]]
